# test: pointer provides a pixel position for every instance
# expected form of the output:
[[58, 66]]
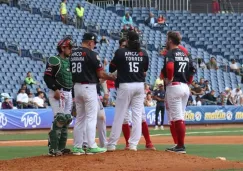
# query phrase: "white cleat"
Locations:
[[110, 148], [156, 127], [162, 127]]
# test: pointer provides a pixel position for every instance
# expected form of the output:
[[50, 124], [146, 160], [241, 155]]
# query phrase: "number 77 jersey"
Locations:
[[84, 65], [181, 65]]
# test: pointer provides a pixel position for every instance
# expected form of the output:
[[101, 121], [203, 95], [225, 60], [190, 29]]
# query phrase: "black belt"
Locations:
[[66, 89]]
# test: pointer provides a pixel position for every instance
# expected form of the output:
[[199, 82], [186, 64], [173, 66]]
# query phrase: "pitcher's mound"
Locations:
[[120, 161]]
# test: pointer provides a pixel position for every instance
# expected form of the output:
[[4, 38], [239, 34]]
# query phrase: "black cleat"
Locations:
[[66, 151], [177, 149], [52, 153]]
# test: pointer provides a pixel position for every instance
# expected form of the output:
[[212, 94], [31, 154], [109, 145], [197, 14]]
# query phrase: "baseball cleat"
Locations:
[[156, 128], [78, 151], [66, 151], [111, 148], [177, 149], [95, 150], [162, 127], [134, 148], [150, 147], [127, 147], [52, 153]]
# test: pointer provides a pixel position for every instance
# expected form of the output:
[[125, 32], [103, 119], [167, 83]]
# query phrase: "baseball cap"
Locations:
[[90, 36], [132, 36]]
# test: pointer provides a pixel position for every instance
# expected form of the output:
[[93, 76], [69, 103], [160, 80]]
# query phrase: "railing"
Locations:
[[207, 8], [166, 5]]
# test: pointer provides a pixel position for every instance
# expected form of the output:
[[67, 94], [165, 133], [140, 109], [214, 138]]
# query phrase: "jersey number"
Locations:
[[182, 66], [133, 66], [76, 67]]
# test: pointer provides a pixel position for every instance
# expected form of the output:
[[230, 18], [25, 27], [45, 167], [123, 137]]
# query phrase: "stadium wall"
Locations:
[[42, 118]]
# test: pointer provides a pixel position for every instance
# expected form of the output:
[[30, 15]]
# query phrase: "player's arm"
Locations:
[[146, 62], [169, 68], [49, 75], [113, 63], [192, 70], [99, 69]]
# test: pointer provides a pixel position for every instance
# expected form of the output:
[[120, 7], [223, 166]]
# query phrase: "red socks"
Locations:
[[180, 132], [126, 132], [145, 132], [173, 132]]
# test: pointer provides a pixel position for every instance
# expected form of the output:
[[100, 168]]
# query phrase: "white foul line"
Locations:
[[154, 135], [206, 132]]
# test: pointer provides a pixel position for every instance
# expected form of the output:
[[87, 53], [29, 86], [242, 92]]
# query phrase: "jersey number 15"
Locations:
[[76, 67], [133, 66]]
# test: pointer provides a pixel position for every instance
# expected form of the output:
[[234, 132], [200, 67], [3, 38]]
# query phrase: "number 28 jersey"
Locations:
[[84, 65], [181, 65], [130, 65]]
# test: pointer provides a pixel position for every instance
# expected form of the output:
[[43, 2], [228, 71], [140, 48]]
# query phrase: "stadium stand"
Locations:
[[37, 32]]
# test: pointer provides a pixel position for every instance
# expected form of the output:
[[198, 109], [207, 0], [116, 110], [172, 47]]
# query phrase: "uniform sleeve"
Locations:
[[146, 61], [50, 72], [113, 63], [169, 66], [96, 61]]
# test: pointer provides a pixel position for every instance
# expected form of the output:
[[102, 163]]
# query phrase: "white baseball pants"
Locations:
[[64, 105], [86, 119], [129, 116], [128, 94], [176, 101]]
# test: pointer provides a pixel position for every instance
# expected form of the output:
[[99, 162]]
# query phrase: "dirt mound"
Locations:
[[119, 161]]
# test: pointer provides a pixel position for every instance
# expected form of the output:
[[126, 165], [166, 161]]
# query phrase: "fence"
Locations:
[[165, 5]]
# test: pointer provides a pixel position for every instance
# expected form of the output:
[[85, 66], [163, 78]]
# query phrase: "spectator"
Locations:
[[79, 16], [104, 40], [149, 102], [122, 43], [46, 100], [137, 30], [22, 100], [29, 80], [236, 95], [241, 74], [24, 86], [159, 96], [63, 11], [158, 81], [212, 64], [30, 101], [208, 87], [215, 7], [127, 20], [7, 104], [202, 84], [39, 101], [197, 90], [201, 63], [151, 21], [209, 98], [226, 95], [161, 20], [147, 88], [197, 101], [190, 99], [234, 67], [124, 32]]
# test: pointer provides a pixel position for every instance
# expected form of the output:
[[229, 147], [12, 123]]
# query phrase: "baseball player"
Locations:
[[178, 72], [58, 79], [130, 62], [86, 69]]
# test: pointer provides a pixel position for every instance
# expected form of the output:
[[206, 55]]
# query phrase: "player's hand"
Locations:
[[57, 95], [106, 97]]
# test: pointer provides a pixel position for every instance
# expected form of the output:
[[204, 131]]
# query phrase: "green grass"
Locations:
[[214, 132], [230, 152]]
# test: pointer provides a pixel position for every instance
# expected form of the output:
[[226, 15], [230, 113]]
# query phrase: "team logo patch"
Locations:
[[140, 53], [68, 69], [84, 54], [98, 57]]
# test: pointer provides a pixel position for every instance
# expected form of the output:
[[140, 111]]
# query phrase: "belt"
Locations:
[[66, 89], [175, 83]]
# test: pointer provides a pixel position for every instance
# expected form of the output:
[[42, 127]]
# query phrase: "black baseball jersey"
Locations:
[[130, 65], [182, 65], [84, 64]]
